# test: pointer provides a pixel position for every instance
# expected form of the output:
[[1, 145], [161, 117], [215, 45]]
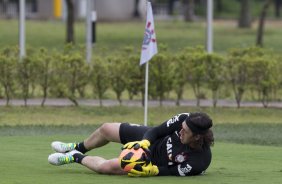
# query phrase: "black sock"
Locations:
[[81, 148], [78, 157]]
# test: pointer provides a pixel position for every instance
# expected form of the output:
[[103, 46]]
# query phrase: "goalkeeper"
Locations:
[[179, 146]]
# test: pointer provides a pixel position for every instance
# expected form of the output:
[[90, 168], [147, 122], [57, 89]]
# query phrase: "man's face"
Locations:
[[185, 134]]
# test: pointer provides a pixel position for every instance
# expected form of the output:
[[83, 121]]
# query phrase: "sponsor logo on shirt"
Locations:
[[175, 119], [172, 120], [184, 169]]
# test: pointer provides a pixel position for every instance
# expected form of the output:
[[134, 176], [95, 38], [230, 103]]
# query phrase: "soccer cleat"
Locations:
[[62, 158], [62, 147]]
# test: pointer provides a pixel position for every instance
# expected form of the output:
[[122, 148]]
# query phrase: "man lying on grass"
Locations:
[[179, 146]]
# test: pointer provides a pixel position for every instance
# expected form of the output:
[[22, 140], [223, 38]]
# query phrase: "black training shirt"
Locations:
[[170, 155]]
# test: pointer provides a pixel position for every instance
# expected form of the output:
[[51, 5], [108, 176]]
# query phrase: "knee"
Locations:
[[106, 129]]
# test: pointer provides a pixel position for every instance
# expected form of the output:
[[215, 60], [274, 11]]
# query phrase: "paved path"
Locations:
[[137, 103]]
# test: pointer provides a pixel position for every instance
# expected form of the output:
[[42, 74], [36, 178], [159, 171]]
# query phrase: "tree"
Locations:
[[245, 19], [264, 74], [260, 31], [170, 7], [117, 77], [27, 74], [179, 76], [219, 6], [189, 14], [160, 76], [136, 13], [237, 73], [70, 22], [44, 72], [135, 73], [99, 78], [196, 70], [214, 69], [278, 4], [8, 63]]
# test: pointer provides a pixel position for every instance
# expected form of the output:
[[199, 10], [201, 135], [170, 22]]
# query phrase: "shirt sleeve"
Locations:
[[182, 169], [166, 128]]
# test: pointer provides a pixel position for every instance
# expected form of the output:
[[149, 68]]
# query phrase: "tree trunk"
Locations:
[[261, 23], [214, 98], [7, 94], [70, 21], [188, 6], [170, 7], [245, 19], [136, 13], [44, 96], [278, 4], [218, 7]]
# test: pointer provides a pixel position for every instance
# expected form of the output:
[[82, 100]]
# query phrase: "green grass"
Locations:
[[246, 125], [112, 37], [26, 134], [96, 115], [25, 161]]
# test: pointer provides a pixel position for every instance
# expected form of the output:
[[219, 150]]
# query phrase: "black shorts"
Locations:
[[131, 132]]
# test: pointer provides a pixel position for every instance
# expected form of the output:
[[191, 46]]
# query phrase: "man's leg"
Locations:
[[102, 166], [94, 163], [108, 132]]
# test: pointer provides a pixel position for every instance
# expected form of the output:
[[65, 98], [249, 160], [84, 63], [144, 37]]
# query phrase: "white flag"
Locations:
[[149, 46]]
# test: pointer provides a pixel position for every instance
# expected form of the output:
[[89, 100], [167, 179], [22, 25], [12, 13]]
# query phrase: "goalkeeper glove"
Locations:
[[149, 170], [137, 144]]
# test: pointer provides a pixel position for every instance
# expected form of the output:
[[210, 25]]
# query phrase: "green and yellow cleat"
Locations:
[[62, 158], [62, 147]]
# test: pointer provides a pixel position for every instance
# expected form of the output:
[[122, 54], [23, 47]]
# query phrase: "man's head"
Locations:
[[198, 122], [196, 130]]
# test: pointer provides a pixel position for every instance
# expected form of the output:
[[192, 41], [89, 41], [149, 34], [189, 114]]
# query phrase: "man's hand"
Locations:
[[137, 144], [149, 170]]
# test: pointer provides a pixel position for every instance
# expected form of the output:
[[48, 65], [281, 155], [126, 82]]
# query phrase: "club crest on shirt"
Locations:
[[180, 158]]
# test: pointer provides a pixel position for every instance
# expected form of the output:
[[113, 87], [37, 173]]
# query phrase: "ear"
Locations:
[[197, 137]]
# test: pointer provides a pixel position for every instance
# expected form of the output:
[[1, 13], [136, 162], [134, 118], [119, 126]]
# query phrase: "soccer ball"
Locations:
[[130, 158]]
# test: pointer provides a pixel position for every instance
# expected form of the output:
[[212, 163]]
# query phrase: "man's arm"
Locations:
[[166, 128]]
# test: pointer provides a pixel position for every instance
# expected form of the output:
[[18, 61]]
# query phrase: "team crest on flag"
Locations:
[[149, 45], [148, 36]]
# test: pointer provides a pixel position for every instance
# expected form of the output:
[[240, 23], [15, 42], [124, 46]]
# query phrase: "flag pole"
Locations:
[[146, 94], [149, 49], [146, 84]]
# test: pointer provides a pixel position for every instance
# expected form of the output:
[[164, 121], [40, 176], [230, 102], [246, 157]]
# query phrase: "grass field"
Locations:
[[112, 37], [247, 148], [24, 161]]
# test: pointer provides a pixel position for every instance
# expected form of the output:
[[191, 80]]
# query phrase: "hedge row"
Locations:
[[66, 74]]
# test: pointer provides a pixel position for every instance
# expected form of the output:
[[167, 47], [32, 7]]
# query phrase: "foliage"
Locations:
[[117, 76], [135, 72], [196, 70], [264, 74], [237, 73], [160, 76], [67, 75], [214, 74], [179, 75], [44, 68], [8, 61], [27, 74], [99, 78]]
